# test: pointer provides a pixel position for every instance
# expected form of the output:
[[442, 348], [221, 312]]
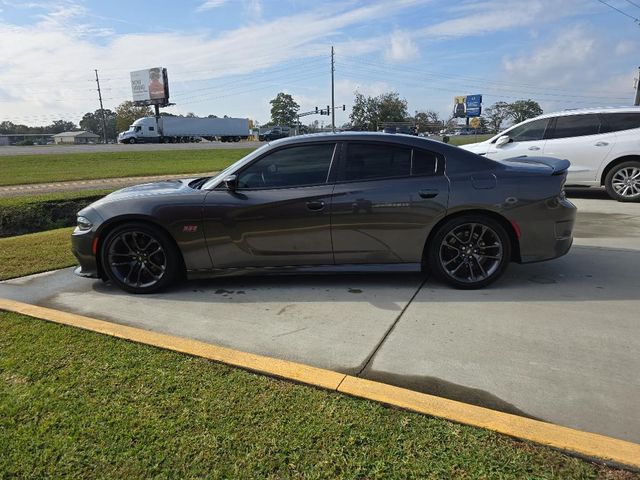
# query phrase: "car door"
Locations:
[[279, 213], [386, 199], [583, 141], [525, 139]]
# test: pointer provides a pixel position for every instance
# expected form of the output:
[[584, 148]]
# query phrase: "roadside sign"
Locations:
[[474, 122], [459, 106], [150, 86], [474, 105]]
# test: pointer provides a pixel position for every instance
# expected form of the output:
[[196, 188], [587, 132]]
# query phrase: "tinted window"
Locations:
[[576, 126], [151, 129], [368, 161], [621, 121], [290, 167], [424, 163], [529, 131]]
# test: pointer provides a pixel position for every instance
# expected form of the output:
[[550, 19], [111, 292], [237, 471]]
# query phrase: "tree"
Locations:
[[127, 112], [521, 110], [59, 126], [368, 112], [92, 122], [284, 109], [496, 114], [428, 121]]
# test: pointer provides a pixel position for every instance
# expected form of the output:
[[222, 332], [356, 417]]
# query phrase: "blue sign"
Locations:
[[474, 105]]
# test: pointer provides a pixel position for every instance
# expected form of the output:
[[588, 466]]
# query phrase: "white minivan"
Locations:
[[603, 146]]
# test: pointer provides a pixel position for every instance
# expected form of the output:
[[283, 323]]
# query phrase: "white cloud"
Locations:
[[626, 47], [210, 5], [401, 47]]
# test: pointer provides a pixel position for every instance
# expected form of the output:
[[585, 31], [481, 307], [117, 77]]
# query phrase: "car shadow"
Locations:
[[594, 192], [585, 274]]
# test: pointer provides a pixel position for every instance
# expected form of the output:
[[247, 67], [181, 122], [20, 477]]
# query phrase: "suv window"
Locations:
[[365, 161], [576, 126], [424, 162], [614, 122], [529, 131], [289, 167]]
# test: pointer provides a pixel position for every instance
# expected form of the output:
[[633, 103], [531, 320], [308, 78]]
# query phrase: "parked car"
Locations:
[[603, 146], [333, 202]]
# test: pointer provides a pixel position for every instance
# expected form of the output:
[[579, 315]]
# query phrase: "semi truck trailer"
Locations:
[[185, 129]]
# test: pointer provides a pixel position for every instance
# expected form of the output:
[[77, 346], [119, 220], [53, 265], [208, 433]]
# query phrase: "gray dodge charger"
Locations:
[[346, 202]]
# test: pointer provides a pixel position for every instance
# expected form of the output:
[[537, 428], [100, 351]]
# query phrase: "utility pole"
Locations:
[[637, 101], [333, 102], [104, 120]]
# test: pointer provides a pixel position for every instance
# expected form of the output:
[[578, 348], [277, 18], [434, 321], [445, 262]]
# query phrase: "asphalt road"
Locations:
[[557, 341], [56, 149]]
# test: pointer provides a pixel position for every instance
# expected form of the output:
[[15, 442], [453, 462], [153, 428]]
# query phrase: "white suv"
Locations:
[[603, 146]]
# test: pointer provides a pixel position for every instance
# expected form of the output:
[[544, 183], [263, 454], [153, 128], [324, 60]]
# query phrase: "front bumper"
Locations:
[[82, 249]]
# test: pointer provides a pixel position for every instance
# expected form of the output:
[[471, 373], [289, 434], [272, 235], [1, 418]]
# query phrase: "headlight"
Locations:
[[84, 224]]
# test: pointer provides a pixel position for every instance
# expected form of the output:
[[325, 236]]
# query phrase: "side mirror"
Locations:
[[231, 183], [503, 140]]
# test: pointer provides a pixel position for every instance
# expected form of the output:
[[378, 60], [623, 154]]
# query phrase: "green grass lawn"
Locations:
[[464, 139], [78, 404], [34, 253], [24, 169]]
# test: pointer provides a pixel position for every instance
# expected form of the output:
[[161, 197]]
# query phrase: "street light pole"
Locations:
[[333, 102]]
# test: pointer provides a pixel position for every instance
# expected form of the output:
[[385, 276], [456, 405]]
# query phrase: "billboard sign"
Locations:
[[465, 106], [150, 86], [474, 105]]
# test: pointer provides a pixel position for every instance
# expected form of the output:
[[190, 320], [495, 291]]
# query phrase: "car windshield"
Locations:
[[217, 178]]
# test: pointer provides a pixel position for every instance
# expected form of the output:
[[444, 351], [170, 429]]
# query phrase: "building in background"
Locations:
[[77, 138]]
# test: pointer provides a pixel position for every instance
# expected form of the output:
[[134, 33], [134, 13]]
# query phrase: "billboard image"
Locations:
[[465, 106], [150, 86]]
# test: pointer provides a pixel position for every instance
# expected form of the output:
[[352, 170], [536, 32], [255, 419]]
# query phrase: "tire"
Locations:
[[623, 182], [132, 141], [139, 258], [470, 251]]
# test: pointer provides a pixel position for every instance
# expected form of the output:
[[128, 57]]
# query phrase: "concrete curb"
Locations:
[[586, 444]]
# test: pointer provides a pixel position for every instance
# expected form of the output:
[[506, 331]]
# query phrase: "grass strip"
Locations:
[[27, 169], [29, 199], [78, 404], [35, 253]]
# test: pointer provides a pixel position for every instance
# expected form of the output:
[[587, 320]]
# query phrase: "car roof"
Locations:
[[580, 111], [363, 136]]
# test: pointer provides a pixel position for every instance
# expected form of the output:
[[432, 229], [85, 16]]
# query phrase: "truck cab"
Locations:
[[141, 131]]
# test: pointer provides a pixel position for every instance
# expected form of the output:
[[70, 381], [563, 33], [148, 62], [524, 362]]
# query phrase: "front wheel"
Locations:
[[470, 251], [139, 258], [623, 182], [132, 141]]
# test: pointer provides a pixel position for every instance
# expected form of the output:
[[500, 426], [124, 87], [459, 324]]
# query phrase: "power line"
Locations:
[[620, 11], [633, 3]]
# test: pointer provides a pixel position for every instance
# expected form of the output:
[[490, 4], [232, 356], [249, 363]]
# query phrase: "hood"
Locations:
[[156, 189], [479, 147]]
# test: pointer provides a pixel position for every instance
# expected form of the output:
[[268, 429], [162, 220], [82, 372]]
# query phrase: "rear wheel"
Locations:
[[139, 258], [470, 251], [623, 182]]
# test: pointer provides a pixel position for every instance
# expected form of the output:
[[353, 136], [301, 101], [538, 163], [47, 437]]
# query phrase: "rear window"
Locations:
[[424, 162], [614, 122], [369, 161], [576, 126]]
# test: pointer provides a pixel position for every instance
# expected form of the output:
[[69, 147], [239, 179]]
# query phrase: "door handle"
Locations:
[[534, 148], [602, 144], [315, 205], [428, 193]]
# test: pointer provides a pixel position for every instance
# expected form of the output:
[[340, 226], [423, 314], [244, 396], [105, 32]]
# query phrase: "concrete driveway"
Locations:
[[556, 341]]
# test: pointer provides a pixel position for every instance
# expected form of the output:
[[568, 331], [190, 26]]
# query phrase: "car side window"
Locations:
[[576, 126], [424, 162], [530, 131], [289, 167], [368, 161], [615, 122]]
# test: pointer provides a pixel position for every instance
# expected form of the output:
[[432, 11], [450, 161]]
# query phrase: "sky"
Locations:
[[230, 57]]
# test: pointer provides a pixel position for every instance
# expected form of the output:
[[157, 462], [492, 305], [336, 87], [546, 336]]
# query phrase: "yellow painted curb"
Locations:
[[271, 366], [584, 443]]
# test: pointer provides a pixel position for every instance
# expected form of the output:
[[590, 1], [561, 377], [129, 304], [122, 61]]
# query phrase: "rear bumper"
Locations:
[[547, 230]]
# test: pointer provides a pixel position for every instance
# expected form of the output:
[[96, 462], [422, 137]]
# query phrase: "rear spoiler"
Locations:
[[559, 166]]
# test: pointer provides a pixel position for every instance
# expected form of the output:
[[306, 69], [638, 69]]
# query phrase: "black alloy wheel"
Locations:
[[623, 182], [139, 258], [470, 251]]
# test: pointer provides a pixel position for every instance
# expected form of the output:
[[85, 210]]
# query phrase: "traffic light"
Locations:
[[344, 108], [316, 109]]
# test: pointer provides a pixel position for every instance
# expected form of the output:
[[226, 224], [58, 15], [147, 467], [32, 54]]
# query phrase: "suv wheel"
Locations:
[[623, 182]]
